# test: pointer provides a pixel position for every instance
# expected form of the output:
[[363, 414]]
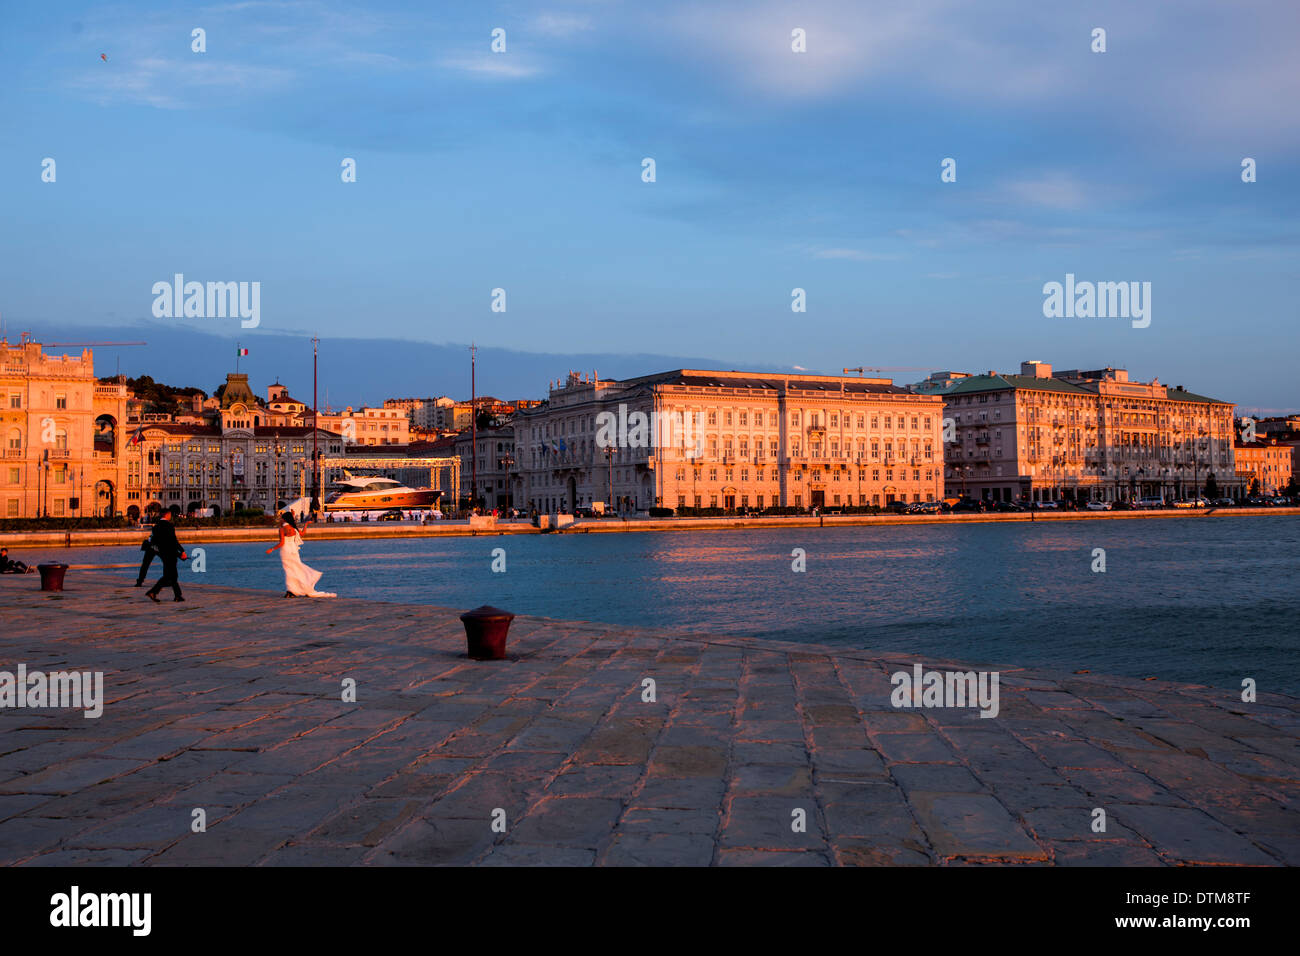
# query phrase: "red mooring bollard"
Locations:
[[52, 576], [485, 632]]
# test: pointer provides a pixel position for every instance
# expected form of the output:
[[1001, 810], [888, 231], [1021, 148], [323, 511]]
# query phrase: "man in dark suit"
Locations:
[[149, 554], [169, 550]]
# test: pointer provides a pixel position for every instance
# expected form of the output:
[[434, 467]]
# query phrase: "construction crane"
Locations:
[[74, 345], [863, 369], [71, 345]]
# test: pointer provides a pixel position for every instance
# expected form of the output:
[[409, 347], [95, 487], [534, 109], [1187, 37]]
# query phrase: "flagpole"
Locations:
[[315, 429], [473, 428], [238, 351]]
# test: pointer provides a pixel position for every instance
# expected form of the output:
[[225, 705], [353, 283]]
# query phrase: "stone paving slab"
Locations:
[[751, 753]]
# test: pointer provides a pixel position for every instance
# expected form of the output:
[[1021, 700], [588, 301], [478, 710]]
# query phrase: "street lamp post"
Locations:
[[609, 456], [1196, 463], [275, 473], [505, 463]]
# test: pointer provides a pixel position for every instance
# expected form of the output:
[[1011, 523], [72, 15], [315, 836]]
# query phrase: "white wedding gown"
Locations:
[[298, 578]]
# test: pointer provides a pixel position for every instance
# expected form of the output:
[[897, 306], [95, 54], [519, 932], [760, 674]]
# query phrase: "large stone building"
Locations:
[[495, 464], [63, 433], [1080, 435], [244, 460], [728, 440]]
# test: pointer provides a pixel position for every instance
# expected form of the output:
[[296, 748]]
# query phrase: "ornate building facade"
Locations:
[[247, 460], [1080, 435], [728, 440], [63, 434]]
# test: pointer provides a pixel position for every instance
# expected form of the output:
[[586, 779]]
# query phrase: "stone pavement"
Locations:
[[232, 704]]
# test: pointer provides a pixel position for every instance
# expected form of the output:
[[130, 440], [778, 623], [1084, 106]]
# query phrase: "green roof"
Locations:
[[995, 383], [1186, 396]]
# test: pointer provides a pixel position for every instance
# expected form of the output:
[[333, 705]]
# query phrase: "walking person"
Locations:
[[149, 554], [299, 580], [169, 551]]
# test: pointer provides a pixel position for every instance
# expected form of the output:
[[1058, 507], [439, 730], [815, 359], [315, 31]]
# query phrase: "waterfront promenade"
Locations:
[[323, 531], [230, 703]]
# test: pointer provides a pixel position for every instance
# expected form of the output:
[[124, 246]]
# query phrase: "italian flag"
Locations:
[[241, 351]]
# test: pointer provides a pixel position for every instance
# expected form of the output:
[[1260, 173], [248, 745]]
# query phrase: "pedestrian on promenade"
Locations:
[[12, 567], [299, 580], [169, 551], [149, 553]]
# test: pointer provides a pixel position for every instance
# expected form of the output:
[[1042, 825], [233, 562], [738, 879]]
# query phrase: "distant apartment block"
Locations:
[[1268, 461], [368, 426]]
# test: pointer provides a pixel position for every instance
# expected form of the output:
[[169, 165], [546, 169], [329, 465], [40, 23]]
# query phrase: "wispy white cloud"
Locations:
[[1195, 72], [510, 66], [857, 255], [1054, 191], [562, 25], [175, 83]]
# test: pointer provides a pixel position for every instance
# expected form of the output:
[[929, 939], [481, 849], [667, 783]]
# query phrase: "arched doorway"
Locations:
[[133, 512], [153, 509], [105, 498], [573, 492]]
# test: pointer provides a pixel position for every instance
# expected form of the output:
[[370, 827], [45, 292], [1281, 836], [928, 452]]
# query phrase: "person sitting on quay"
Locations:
[[12, 567]]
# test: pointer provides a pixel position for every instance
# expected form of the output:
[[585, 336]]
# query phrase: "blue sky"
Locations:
[[775, 170]]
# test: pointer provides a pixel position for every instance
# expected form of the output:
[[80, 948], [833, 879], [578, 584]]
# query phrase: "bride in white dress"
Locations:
[[299, 579]]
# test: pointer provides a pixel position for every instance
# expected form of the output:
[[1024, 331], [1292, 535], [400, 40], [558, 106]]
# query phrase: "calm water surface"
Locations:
[[1203, 600]]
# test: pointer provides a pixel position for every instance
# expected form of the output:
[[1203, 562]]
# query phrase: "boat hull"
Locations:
[[382, 500]]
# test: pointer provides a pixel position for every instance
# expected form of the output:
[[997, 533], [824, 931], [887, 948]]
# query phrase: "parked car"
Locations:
[[392, 514], [897, 507], [1098, 505], [968, 506], [1122, 506], [1151, 501], [1223, 503], [1007, 507], [1047, 505]]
